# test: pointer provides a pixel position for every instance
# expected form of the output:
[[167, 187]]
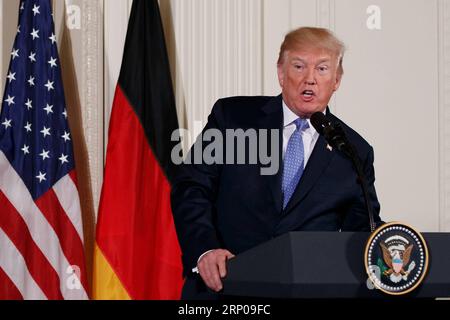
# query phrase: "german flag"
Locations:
[[137, 255]]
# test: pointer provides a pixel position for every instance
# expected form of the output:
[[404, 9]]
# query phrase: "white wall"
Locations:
[[395, 92], [390, 95], [444, 112]]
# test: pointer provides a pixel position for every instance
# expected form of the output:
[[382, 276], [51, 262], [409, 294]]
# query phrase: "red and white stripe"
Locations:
[[41, 241], [14, 265]]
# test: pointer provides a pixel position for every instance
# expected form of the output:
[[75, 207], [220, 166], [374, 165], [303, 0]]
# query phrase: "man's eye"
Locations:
[[298, 67], [323, 68]]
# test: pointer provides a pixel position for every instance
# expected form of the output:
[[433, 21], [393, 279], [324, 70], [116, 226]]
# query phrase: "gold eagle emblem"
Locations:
[[397, 260]]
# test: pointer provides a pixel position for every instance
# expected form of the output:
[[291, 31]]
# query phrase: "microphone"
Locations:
[[332, 132], [335, 136]]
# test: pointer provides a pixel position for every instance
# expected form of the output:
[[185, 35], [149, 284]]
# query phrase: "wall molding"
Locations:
[[116, 14], [218, 51], [325, 14], [92, 42]]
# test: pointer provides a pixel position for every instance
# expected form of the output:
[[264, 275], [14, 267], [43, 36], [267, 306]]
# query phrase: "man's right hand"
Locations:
[[212, 268]]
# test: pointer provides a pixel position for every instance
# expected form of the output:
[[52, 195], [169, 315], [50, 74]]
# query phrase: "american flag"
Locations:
[[41, 231]]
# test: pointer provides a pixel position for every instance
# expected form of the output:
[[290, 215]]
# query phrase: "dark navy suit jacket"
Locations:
[[234, 207]]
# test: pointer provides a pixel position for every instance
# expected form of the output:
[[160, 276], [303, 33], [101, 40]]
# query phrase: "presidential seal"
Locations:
[[396, 258]]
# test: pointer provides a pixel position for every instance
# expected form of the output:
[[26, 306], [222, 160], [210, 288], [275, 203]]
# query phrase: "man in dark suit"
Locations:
[[224, 208]]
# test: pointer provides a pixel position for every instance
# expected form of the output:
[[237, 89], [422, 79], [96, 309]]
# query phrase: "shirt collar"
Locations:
[[289, 117]]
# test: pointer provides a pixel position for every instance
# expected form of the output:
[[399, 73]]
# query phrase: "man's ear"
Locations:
[[280, 72], [338, 81]]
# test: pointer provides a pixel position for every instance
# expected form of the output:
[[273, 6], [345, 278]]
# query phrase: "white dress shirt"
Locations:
[[309, 135]]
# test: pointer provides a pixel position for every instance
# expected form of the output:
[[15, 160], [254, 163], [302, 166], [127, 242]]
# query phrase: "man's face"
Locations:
[[308, 79]]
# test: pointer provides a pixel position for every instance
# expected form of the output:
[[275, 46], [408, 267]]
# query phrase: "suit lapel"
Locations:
[[317, 163], [273, 119]]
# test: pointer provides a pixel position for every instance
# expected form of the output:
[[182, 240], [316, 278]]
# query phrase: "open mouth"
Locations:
[[308, 95]]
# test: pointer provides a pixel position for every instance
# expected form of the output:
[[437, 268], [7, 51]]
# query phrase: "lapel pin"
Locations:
[[330, 148]]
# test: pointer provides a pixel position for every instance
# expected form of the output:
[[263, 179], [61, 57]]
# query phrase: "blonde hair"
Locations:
[[310, 37]]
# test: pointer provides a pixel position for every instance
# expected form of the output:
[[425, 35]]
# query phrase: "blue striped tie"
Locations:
[[293, 161]]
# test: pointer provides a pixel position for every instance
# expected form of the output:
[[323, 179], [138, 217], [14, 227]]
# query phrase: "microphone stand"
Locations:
[[349, 150], [335, 136]]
